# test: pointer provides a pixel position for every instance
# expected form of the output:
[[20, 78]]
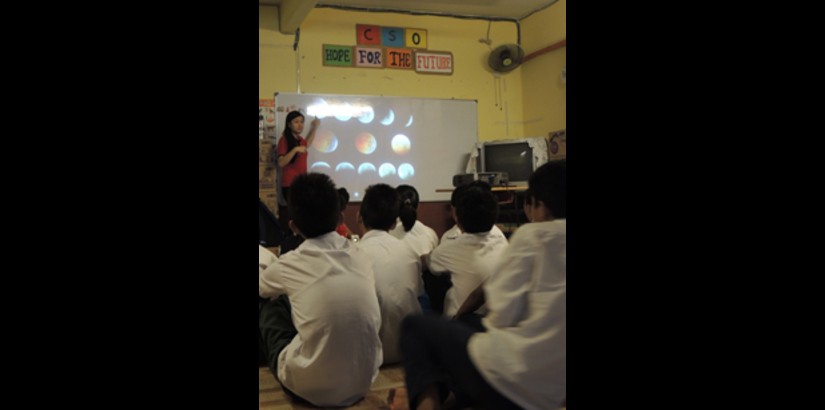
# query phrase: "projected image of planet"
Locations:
[[406, 171], [367, 116], [389, 118], [344, 166], [365, 168], [343, 112], [365, 143], [400, 144], [319, 108], [320, 166], [409, 122], [386, 169], [325, 141]]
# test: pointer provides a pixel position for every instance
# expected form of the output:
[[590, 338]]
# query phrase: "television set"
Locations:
[[515, 157]]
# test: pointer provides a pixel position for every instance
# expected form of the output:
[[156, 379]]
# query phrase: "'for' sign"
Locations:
[[369, 57]]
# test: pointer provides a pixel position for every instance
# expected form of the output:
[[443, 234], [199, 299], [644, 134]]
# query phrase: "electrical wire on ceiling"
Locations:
[[428, 13]]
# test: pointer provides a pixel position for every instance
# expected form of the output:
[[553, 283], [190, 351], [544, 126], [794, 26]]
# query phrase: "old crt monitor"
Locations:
[[514, 157]]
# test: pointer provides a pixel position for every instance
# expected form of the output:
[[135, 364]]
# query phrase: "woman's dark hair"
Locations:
[[379, 208], [291, 141], [548, 184], [408, 210]]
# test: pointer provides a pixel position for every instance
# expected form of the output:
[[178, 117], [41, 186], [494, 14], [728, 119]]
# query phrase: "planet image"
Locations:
[[389, 118], [386, 169], [367, 116], [406, 171], [325, 141], [400, 144], [409, 122], [344, 166], [320, 166], [365, 143], [365, 168], [319, 108], [344, 113]]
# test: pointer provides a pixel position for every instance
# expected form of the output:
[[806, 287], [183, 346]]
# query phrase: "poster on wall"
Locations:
[[266, 118]]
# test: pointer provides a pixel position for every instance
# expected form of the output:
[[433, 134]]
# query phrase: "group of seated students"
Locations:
[[333, 311]]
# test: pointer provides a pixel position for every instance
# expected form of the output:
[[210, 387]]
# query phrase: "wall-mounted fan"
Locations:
[[505, 58]]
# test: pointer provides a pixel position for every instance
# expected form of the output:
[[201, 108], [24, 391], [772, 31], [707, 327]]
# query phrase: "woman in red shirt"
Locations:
[[292, 149]]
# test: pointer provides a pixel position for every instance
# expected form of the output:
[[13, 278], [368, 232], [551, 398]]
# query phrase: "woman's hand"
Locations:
[[300, 148]]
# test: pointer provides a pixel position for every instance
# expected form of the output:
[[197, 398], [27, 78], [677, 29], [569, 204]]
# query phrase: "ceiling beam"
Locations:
[[292, 13]]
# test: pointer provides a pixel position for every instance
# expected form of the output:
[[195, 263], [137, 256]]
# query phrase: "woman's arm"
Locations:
[[313, 126], [284, 159]]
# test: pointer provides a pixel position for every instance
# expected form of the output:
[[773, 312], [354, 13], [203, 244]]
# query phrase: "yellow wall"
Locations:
[[501, 97], [545, 97]]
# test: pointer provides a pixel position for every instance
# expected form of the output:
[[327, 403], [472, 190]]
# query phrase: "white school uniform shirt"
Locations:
[[453, 233], [422, 238], [398, 283], [335, 356], [523, 353], [470, 258], [265, 258]]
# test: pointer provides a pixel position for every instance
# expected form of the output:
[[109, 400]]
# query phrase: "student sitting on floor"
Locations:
[[519, 360], [470, 258], [320, 330], [453, 232], [397, 267]]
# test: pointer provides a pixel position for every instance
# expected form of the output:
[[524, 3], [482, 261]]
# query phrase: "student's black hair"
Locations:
[[379, 208], [313, 204], [343, 198], [457, 192], [477, 210], [408, 211], [479, 183], [291, 141], [548, 184]]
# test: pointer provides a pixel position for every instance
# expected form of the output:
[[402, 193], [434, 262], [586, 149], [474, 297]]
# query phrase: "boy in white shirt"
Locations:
[[396, 265], [453, 232], [470, 258], [320, 330], [519, 360]]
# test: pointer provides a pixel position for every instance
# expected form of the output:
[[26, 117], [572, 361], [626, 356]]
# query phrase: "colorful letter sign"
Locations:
[[398, 58], [369, 57], [389, 47], [415, 38], [433, 62], [337, 55], [392, 37], [368, 34]]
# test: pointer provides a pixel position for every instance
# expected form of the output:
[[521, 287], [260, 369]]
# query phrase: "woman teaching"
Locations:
[[292, 154]]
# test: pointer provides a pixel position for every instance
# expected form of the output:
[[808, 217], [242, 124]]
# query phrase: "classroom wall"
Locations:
[[499, 96], [545, 96], [526, 102]]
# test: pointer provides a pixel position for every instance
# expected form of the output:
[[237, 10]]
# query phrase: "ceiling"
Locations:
[[292, 12]]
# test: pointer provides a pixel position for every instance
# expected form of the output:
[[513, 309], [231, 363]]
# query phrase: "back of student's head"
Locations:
[[408, 211], [548, 184], [477, 210], [459, 190], [343, 198], [379, 208], [313, 204]]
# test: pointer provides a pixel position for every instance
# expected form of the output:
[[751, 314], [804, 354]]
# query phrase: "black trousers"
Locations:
[[435, 352], [276, 329]]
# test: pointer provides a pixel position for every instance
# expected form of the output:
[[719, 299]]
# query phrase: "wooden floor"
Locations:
[[271, 397]]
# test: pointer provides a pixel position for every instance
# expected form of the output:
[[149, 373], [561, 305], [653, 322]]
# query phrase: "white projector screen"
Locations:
[[365, 140]]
